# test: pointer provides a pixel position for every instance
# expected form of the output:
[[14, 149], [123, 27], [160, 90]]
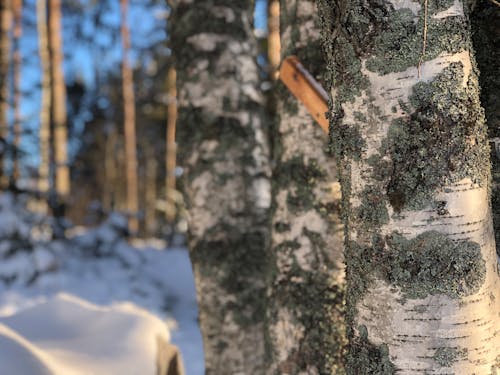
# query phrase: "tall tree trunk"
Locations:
[[5, 45], [306, 294], [273, 38], [46, 97], [129, 123], [171, 146], [58, 101], [18, 29], [223, 149], [423, 286], [486, 37]]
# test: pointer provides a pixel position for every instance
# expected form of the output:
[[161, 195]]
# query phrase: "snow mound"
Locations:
[[121, 339]]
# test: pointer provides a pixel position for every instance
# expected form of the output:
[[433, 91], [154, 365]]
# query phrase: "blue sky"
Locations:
[[100, 52]]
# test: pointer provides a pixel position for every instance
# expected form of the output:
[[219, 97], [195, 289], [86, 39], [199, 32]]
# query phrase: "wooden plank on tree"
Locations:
[[306, 89]]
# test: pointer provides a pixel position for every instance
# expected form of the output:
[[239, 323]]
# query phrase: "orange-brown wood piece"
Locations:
[[306, 89]]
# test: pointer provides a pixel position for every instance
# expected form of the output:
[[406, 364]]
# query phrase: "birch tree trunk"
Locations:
[[58, 101], [423, 285], [306, 328], [45, 105], [224, 152], [486, 37], [129, 123], [5, 45], [16, 130]]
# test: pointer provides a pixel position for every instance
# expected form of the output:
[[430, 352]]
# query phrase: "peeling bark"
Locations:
[[423, 286], [223, 149], [306, 328]]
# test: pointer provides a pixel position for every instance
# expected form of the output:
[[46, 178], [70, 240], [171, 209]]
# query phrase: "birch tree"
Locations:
[[486, 38], [306, 293], [223, 149], [423, 285]]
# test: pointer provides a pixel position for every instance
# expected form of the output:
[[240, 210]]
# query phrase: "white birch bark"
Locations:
[[423, 279], [223, 148], [306, 292]]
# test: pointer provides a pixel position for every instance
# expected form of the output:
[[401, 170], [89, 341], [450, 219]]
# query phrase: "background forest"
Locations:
[[136, 132]]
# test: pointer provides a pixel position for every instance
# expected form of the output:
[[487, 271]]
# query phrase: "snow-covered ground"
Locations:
[[93, 267]]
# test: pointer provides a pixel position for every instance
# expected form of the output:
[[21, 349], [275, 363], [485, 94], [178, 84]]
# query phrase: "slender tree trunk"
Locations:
[[150, 194], [129, 123], [58, 101], [273, 38], [306, 295], [224, 152], [171, 146], [5, 54], [423, 286], [18, 29], [110, 168], [46, 97]]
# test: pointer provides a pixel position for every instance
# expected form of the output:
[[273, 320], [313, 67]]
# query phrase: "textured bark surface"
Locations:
[[306, 330], [222, 144], [486, 38], [423, 286]]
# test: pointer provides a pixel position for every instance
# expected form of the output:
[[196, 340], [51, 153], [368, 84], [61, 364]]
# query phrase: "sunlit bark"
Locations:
[[58, 102], [45, 104], [423, 285]]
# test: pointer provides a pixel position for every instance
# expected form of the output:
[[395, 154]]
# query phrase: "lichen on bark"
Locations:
[[224, 153], [306, 294], [414, 238], [427, 147]]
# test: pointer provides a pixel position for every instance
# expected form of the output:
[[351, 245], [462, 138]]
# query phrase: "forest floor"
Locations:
[[73, 303]]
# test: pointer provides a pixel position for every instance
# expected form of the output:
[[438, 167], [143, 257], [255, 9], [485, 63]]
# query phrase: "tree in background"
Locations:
[[129, 123], [171, 147], [5, 55], [223, 149], [46, 97], [17, 64], [423, 289], [58, 103], [305, 321]]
